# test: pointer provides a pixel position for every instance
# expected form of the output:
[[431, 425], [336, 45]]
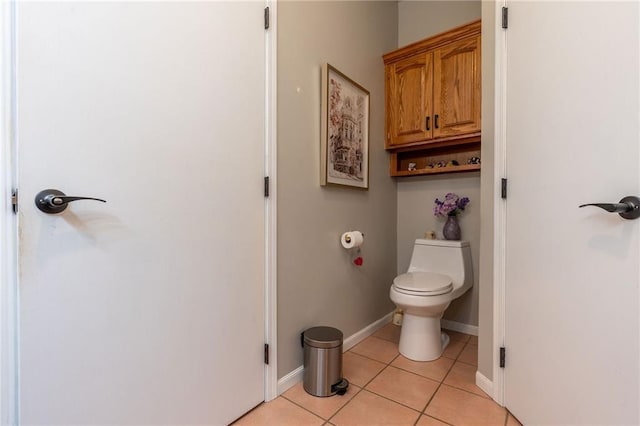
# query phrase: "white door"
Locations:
[[572, 273], [147, 309]]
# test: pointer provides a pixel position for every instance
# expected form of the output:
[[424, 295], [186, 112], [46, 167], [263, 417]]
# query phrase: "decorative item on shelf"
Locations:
[[430, 235], [473, 160], [412, 167], [452, 163], [450, 207], [439, 164]]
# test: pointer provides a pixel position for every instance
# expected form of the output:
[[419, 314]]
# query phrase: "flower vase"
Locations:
[[451, 230]]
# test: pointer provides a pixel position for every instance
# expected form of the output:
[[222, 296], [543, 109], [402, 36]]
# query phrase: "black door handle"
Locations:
[[628, 207], [53, 201]]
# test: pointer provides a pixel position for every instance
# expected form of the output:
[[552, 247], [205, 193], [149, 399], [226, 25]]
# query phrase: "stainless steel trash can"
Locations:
[[323, 362]]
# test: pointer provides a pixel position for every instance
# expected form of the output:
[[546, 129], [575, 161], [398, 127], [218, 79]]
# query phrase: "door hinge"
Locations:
[[503, 191], [14, 200], [266, 353], [266, 18], [505, 17], [503, 356], [266, 186]]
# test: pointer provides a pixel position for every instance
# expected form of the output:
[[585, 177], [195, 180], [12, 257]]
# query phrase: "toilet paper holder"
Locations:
[[347, 237]]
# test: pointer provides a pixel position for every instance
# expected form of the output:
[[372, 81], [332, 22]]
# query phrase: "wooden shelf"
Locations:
[[439, 170], [425, 155]]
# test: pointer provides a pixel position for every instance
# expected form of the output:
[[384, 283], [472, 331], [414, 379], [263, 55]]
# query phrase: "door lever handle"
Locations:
[[628, 207], [52, 201]]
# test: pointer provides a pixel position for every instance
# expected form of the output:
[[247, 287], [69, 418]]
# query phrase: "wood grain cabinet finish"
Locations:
[[433, 95], [456, 90], [410, 100]]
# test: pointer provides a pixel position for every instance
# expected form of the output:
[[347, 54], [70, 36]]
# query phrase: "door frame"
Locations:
[[499, 205], [9, 324], [8, 223]]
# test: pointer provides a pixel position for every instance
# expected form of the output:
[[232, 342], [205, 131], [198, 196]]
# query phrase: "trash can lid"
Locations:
[[323, 337]]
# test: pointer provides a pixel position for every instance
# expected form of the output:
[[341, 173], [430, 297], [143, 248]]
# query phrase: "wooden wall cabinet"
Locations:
[[433, 98]]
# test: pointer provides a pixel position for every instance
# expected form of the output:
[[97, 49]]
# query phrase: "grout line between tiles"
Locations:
[[365, 385], [393, 400], [439, 386], [348, 402], [306, 409], [376, 360], [388, 364]]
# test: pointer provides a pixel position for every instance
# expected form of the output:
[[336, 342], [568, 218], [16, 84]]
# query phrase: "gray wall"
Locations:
[[488, 192], [415, 216], [317, 282], [418, 20]]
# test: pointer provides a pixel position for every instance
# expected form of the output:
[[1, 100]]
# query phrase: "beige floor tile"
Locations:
[[359, 370], [378, 349], [512, 421], [469, 355], [453, 349], [473, 340], [435, 370], [368, 409], [406, 388], [463, 376], [279, 412], [390, 332], [456, 335], [458, 407], [323, 407], [429, 421]]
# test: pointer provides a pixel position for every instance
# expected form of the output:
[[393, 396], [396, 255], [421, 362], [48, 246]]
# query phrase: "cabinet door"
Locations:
[[457, 88], [409, 100]]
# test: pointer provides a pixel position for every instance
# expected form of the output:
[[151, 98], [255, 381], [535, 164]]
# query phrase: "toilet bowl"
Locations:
[[439, 272]]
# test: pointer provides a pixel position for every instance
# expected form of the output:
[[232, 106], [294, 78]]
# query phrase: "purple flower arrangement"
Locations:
[[452, 205]]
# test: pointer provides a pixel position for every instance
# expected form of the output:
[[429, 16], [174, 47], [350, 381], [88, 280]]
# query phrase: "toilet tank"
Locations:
[[452, 258]]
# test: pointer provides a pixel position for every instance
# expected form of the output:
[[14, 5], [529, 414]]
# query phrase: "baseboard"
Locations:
[[290, 380], [294, 377], [458, 326], [485, 384], [359, 336]]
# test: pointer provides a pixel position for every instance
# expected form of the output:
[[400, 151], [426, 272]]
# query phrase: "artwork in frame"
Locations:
[[345, 131]]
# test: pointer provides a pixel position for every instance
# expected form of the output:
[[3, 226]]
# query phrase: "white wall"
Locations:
[[416, 21], [317, 282]]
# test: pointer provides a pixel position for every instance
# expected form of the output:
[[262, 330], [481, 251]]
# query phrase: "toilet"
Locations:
[[439, 272]]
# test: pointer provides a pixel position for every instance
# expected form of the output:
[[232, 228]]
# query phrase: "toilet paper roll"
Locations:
[[352, 239]]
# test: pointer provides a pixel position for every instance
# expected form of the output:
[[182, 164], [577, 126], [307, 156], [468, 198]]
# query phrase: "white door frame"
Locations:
[[9, 410], [271, 242], [8, 223], [499, 205]]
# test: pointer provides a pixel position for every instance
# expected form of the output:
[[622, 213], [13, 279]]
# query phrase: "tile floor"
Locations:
[[389, 389]]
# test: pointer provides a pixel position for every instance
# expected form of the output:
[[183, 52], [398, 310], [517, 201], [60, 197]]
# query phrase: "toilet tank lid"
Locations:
[[442, 243]]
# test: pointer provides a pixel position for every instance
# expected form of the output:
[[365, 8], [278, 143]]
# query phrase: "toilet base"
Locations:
[[421, 338]]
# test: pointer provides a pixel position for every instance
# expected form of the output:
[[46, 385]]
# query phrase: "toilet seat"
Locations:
[[423, 283]]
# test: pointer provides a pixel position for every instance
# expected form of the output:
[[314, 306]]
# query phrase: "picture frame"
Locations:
[[344, 140]]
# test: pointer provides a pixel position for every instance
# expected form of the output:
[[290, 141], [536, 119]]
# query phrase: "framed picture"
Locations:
[[345, 131]]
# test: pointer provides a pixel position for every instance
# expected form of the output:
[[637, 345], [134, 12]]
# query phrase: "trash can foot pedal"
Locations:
[[341, 387]]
